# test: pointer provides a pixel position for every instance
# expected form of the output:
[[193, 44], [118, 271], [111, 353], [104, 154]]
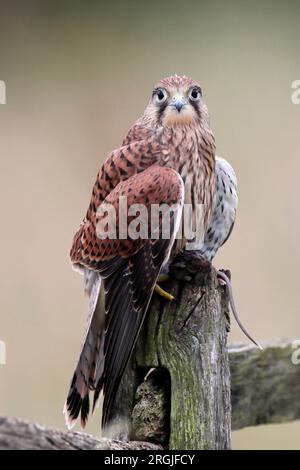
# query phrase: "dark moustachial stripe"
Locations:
[[161, 110]]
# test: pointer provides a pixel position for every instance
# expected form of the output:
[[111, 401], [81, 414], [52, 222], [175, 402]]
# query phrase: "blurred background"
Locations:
[[77, 75]]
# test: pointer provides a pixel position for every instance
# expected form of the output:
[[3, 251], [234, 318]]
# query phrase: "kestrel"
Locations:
[[167, 157]]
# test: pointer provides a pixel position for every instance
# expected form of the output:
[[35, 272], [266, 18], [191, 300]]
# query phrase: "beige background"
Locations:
[[78, 74]]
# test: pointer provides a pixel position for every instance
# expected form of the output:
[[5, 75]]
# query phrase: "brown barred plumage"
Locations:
[[167, 156]]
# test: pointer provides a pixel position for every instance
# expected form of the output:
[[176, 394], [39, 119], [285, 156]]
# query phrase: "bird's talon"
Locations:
[[163, 293]]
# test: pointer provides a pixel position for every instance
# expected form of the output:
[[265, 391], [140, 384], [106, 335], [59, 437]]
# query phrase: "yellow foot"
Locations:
[[163, 293]]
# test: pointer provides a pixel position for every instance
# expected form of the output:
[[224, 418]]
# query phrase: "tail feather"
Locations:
[[83, 380]]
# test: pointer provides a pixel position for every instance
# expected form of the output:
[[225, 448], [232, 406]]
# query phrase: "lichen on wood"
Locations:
[[265, 388], [265, 384], [188, 339]]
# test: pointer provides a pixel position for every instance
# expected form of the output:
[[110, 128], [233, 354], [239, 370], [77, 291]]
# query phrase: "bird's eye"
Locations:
[[195, 94], [160, 95]]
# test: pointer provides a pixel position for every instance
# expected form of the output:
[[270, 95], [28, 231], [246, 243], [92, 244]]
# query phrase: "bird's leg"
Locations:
[[225, 281], [159, 290], [163, 293], [163, 278]]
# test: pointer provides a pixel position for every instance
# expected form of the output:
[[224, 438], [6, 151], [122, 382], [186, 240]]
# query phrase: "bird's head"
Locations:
[[176, 101]]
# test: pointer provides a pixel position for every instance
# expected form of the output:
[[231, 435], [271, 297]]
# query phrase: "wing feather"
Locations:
[[131, 294], [129, 270]]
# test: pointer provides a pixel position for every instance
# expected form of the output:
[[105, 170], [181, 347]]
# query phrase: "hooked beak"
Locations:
[[178, 102]]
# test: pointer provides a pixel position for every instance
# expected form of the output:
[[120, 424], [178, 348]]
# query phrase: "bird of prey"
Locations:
[[167, 156]]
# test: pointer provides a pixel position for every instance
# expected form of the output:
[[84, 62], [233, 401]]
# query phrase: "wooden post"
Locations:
[[265, 389], [17, 434], [186, 342]]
